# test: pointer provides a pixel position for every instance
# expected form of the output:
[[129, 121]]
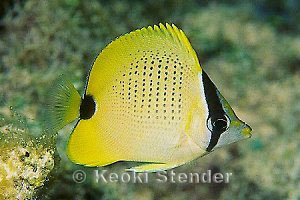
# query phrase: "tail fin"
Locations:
[[63, 105]]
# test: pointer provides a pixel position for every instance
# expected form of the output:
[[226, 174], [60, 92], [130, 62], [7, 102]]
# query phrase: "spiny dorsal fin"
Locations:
[[164, 31], [122, 52]]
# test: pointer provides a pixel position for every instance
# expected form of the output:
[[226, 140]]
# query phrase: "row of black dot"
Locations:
[[151, 68]]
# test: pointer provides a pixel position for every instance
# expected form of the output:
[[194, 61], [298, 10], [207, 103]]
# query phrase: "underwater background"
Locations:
[[250, 49]]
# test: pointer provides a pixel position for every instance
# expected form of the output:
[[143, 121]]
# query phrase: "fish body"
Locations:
[[147, 99]]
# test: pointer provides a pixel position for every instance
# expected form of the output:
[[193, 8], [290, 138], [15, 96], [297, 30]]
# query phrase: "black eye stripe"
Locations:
[[215, 109]]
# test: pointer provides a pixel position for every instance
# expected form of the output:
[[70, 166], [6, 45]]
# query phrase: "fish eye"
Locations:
[[218, 124]]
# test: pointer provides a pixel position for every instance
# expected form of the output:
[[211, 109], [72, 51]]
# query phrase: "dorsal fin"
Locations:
[[122, 52], [168, 32]]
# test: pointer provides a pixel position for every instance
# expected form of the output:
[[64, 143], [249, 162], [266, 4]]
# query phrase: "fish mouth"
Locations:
[[246, 131]]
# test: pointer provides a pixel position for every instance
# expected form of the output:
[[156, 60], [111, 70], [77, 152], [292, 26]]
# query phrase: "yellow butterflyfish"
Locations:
[[147, 99]]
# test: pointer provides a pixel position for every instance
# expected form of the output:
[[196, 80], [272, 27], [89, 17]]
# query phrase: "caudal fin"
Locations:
[[63, 104]]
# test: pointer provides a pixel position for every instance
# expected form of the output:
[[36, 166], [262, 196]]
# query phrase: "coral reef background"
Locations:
[[251, 49]]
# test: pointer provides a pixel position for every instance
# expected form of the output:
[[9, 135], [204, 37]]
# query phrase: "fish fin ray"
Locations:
[[62, 106], [126, 48]]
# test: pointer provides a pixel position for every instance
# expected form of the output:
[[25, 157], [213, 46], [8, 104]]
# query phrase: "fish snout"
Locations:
[[246, 131]]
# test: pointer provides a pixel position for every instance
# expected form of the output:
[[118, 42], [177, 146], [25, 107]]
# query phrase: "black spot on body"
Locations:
[[87, 107]]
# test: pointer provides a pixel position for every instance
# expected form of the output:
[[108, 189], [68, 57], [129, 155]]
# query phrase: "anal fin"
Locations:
[[153, 167]]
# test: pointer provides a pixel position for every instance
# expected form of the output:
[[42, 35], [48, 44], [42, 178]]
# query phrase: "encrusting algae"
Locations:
[[24, 163]]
